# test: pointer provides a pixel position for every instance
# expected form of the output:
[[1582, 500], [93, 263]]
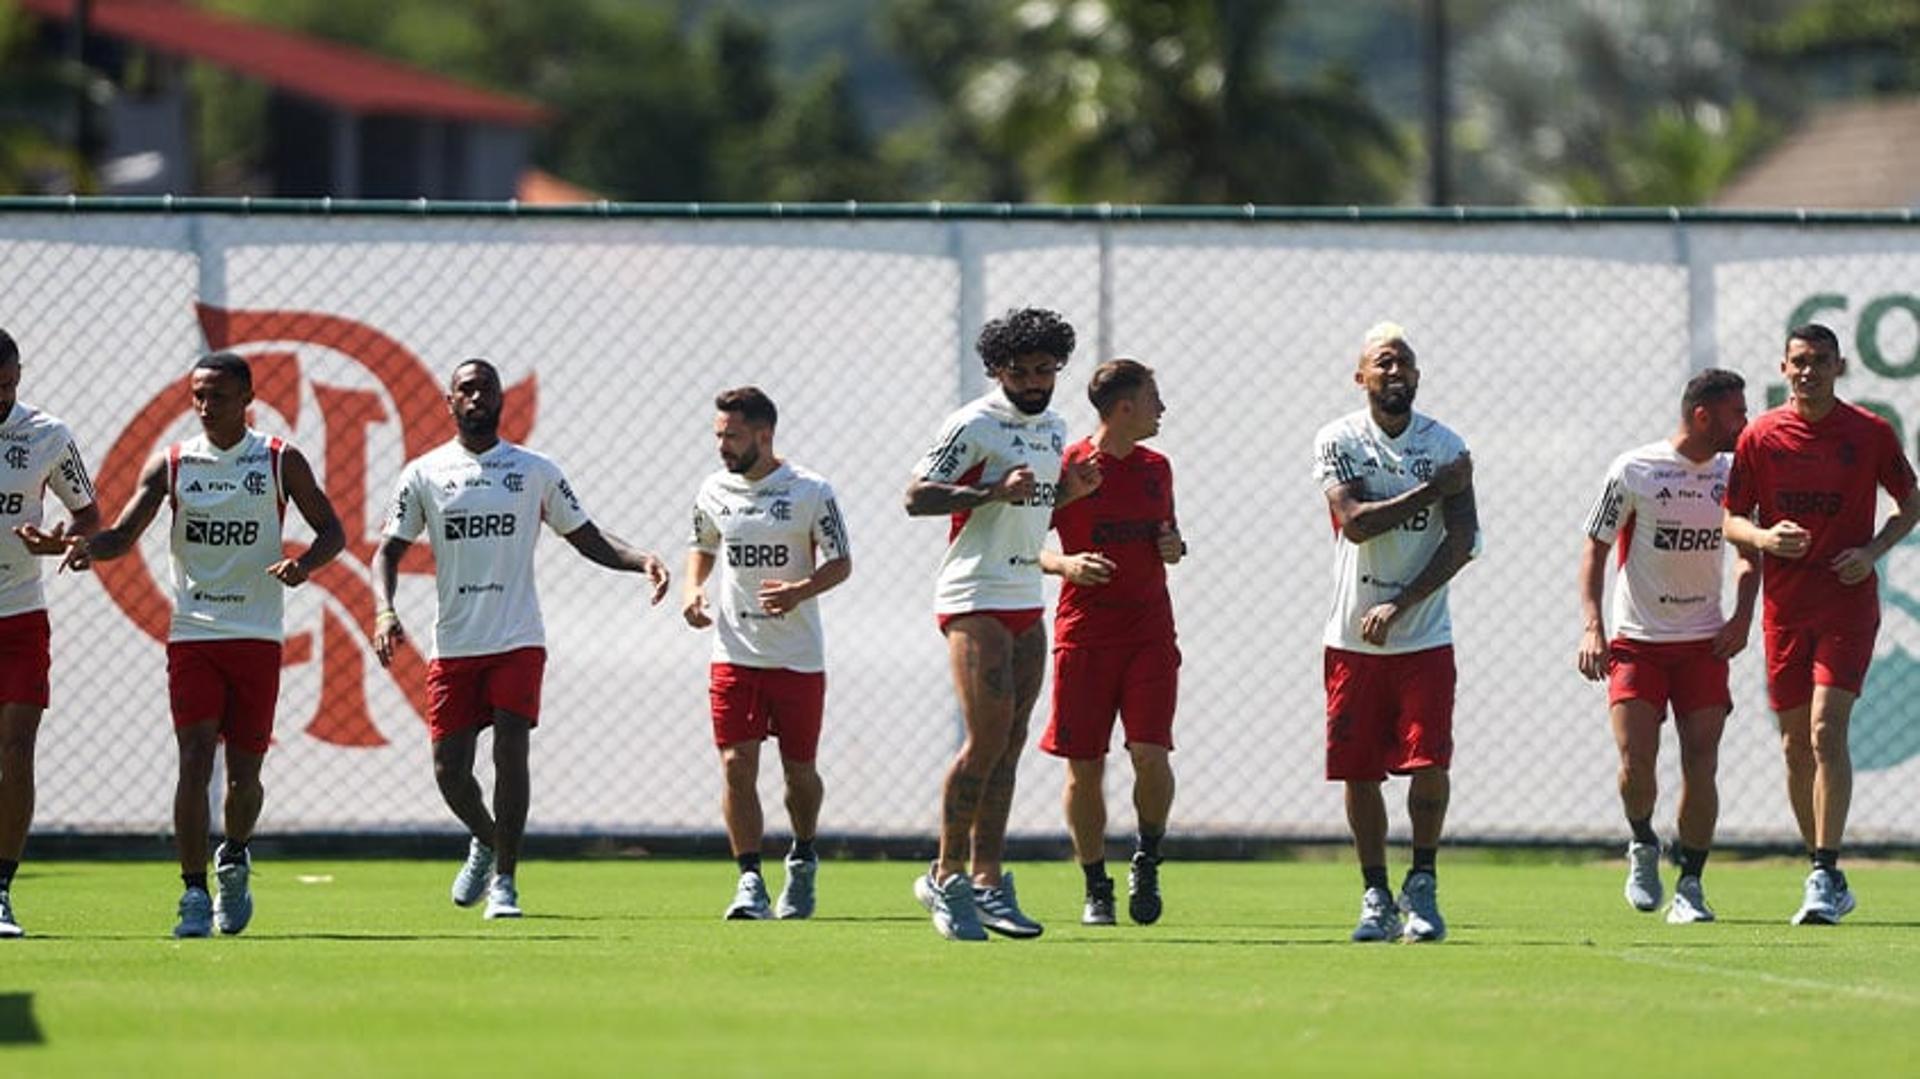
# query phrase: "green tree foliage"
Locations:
[[36, 99], [1856, 45], [1131, 101]]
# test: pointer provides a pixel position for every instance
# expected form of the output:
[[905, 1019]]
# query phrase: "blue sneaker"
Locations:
[[1821, 901], [999, 910], [951, 903], [1379, 918], [1420, 902], [233, 899], [196, 914]]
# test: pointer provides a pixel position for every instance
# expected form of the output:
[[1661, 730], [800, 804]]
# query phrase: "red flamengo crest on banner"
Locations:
[[410, 396]]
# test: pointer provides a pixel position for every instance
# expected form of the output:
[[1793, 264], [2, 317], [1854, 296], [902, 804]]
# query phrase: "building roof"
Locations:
[[338, 75], [1856, 155]]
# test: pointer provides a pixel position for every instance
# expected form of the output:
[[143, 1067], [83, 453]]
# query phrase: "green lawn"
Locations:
[[358, 968]]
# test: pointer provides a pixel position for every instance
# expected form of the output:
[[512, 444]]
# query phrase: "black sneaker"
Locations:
[[1099, 908], [1143, 889]]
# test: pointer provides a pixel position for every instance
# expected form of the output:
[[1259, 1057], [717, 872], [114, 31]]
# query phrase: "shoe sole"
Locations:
[[1370, 938], [737, 915], [1814, 917], [1014, 932], [1144, 917], [495, 915], [10, 931], [178, 934]]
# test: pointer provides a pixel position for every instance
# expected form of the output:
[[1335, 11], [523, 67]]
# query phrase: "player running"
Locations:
[[775, 532], [229, 489], [481, 501], [1802, 492], [1113, 639], [1400, 488], [995, 472], [37, 454], [1662, 501]]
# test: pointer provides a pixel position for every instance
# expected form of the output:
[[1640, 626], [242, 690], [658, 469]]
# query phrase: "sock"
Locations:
[[748, 863], [1692, 862], [1643, 830], [1829, 859], [1375, 877], [7, 868], [194, 880], [1095, 872], [1148, 843], [802, 850], [230, 853], [1423, 858]]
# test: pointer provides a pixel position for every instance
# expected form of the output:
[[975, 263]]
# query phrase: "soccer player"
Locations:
[[229, 487], [37, 452], [1802, 492], [1662, 501], [774, 529], [1113, 638], [481, 501], [995, 472], [1400, 488]]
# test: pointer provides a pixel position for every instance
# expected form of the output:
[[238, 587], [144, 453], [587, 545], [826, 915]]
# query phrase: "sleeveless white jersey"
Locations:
[[227, 508], [482, 515], [1353, 449], [993, 550], [37, 453], [1665, 511], [778, 529]]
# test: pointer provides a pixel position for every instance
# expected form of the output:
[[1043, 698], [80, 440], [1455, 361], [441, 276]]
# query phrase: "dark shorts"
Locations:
[[1388, 714], [235, 683], [26, 651], [752, 703], [1139, 683], [1685, 674], [463, 692]]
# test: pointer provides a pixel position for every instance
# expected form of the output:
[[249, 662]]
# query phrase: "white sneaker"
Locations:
[[233, 898], [471, 882], [1643, 875], [1379, 918], [503, 899], [796, 895], [9, 928], [950, 901], [1420, 902], [196, 914], [1843, 903], [1689, 903], [750, 902], [1821, 903]]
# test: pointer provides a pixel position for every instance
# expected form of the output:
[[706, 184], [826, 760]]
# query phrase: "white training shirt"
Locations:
[[993, 550], [482, 513], [777, 529], [1354, 448], [227, 509], [37, 452], [1667, 508]]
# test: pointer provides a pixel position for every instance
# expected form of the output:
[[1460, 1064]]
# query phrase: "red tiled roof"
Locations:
[[544, 188], [1853, 155], [338, 75]]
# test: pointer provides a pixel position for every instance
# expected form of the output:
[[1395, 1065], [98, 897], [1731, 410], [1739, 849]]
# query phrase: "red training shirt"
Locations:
[[1120, 519], [1822, 476]]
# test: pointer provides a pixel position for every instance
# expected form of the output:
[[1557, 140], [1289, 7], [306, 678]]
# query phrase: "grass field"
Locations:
[[358, 968]]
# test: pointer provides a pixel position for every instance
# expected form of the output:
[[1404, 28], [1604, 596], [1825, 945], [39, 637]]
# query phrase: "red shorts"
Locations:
[[1388, 714], [463, 692], [26, 650], [1686, 673], [1140, 682], [1017, 622], [234, 683], [1835, 653], [751, 703]]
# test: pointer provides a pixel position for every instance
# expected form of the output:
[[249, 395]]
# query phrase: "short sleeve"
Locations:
[[829, 530], [1743, 482], [1333, 464], [559, 506], [956, 451], [1611, 510], [1896, 473], [67, 474], [406, 513]]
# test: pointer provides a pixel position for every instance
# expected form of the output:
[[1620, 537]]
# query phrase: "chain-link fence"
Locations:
[[1550, 345]]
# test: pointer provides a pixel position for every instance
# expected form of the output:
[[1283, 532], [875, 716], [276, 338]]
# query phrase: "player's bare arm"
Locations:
[[1083, 568], [779, 597], [328, 537], [1785, 539], [111, 543], [609, 550], [1855, 563], [1593, 654], [1732, 638], [1361, 520], [1462, 522], [693, 588], [56, 540], [388, 633], [928, 499]]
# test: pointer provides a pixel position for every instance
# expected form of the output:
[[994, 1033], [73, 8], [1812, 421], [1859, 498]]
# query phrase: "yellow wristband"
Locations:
[[385, 614]]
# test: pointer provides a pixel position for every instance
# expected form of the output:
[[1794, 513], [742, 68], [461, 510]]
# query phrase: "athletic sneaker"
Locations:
[[1822, 903], [999, 911], [796, 895], [1643, 875], [750, 903], [1379, 918], [471, 882], [8, 927], [503, 899], [1143, 889], [1689, 903], [233, 899], [196, 914], [1099, 908], [951, 903], [1843, 903], [1420, 902]]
